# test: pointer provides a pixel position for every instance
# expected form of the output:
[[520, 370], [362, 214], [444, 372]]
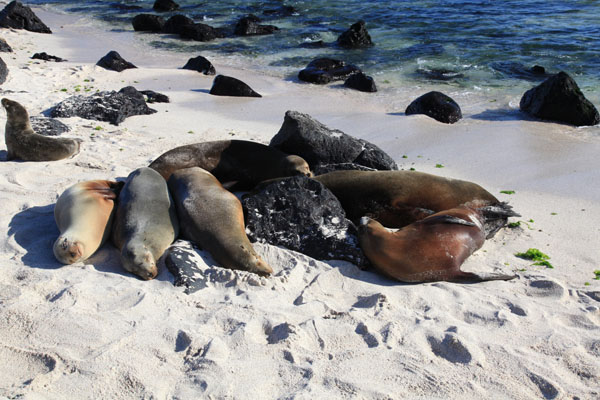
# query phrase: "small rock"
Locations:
[[155, 97], [437, 106], [3, 71], [16, 15], [165, 5], [355, 37], [325, 70], [47, 57], [113, 61], [200, 64], [361, 82], [199, 32], [175, 23], [228, 86], [5, 47], [148, 23], [249, 26]]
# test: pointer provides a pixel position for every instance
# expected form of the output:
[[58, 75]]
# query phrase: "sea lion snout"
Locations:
[[67, 251]]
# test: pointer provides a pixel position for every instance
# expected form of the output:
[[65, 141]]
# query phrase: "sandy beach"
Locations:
[[313, 329]]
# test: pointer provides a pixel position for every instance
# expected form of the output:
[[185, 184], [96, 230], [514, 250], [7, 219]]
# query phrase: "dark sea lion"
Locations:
[[213, 218], [84, 215], [399, 198], [145, 222], [432, 249], [238, 161], [23, 143]]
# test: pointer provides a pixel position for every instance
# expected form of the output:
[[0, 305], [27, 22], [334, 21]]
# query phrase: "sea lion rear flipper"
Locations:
[[482, 277], [496, 216], [447, 219]]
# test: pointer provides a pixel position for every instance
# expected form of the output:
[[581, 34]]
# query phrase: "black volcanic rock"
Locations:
[[48, 126], [3, 71], [437, 106], [113, 61], [559, 99], [200, 64], [155, 97], [325, 70], [520, 71], [249, 26], [228, 86], [108, 106], [5, 47], [361, 82], [355, 37], [183, 261], [200, 32], [47, 57], [148, 23], [302, 135], [175, 24], [165, 5], [301, 214], [17, 16]]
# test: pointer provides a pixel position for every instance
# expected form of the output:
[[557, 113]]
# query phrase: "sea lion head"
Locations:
[[260, 267], [66, 250], [295, 165], [140, 261], [16, 114]]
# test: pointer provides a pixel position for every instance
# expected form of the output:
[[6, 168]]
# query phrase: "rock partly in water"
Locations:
[[228, 86], [200, 32], [175, 24], [200, 64], [519, 71], [48, 126], [5, 47], [355, 37], [306, 137], [155, 97], [148, 23], [283, 11], [114, 62], [109, 106], [17, 16], [325, 70], [361, 82], [437, 106], [301, 214], [3, 71], [249, 26], [165, 5], [47, 57], [559, 99]]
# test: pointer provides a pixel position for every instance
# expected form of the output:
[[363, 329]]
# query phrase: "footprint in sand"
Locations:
[[8, 293], [182, 342], [517, 310], [20, 368], [369, 338], [450, 348], [548, 390], [546, 288]]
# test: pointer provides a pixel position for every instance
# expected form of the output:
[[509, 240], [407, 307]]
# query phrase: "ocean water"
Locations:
[[482, 45]]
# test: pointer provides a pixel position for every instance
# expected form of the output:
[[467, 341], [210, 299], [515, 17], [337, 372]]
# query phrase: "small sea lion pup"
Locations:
[[145, 222], [399, 198], [237, 162], [213, 218], [84, 215], [432, 249], [24, 144]]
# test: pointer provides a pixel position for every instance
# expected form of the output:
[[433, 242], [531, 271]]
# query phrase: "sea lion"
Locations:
[[432, 249], [399, 198], [213, 218], [83, 214], [23, 143], [238, 162], [145, 222]]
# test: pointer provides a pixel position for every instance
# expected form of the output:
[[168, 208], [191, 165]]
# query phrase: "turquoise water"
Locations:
[[484, 44]]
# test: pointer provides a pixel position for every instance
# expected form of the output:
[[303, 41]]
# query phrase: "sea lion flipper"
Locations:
[[482, 277], [447, 219]]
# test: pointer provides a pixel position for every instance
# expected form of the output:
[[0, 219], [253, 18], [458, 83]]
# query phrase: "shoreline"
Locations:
[[314, 329]]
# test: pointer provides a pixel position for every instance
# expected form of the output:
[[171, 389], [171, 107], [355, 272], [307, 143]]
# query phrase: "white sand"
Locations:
[[313, 329]]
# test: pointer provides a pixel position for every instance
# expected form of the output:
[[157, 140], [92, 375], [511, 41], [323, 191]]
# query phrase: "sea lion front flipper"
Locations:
[[447, 219], [482, 277]]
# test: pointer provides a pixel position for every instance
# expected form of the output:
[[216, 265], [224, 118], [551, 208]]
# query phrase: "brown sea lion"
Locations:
[[212, 217], [24, 144], [432, 249], [84, 214], [145, 222], [399, 198], [232, 161]]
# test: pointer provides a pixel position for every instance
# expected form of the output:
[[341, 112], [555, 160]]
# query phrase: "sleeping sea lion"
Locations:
[[432, 249], [399, 198], [238, 162], [145, 222], [84, 214], [23, 143], [212, 217]]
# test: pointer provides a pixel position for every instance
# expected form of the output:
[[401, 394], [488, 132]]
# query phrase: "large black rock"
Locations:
[[303, 215], [325, 70], [48, 126], [165, 5], [200, 32], [16, 15], [5, 47], [355, 37], [249, 26], [306, 137], [437, 106], [559, 99], [200, 64], [361, 82], [109, 106], [3, 71], [176, 22], [113, 61], [148, 23], [228, 86]]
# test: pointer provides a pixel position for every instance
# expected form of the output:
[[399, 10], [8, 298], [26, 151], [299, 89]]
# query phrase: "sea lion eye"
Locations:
[[73, 254]]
